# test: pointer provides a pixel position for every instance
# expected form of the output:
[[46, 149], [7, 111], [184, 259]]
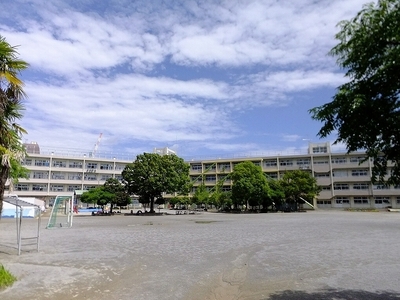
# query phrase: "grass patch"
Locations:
[[6, 278]]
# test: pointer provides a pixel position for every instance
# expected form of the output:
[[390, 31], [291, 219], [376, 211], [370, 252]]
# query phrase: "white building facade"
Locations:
[[345, 180]]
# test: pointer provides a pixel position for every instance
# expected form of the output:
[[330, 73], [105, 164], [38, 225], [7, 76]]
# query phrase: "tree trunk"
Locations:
[[152, 204], [3, 179]]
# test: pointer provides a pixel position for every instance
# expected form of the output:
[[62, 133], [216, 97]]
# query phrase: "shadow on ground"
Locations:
[[335, 295]]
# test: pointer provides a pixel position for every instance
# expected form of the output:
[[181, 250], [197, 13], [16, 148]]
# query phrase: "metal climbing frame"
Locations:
[[19, 207]]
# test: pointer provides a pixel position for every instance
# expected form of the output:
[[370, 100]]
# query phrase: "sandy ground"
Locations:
[[210, 256]]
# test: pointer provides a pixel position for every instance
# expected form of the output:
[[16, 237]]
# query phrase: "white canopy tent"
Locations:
[[21, 205]]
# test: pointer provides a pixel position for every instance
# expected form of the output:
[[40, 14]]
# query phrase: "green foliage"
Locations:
[[221, 199], [151, 175], [6, 278], [250, 187], [112, 192], [201, 195], [298, 183], [97, 196], [365, 111], [276, 195], [11, 96]]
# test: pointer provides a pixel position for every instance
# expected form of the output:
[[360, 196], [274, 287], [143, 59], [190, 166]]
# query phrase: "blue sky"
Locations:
[[204, 78]]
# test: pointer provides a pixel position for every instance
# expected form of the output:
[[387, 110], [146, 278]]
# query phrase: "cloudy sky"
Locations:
[[204, 78]]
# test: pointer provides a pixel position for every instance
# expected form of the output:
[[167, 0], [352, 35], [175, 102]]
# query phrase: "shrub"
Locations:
[[6, 278]]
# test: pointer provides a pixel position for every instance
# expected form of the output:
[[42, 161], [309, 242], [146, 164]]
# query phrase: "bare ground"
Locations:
[[210, 256]]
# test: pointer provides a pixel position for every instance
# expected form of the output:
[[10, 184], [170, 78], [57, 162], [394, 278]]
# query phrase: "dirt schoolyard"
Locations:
[[313, 255]]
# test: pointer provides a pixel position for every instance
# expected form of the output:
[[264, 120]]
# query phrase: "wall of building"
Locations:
[[344, 178]]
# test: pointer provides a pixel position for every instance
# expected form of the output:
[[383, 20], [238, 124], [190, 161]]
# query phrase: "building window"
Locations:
[[42, 162], [382, 200], [325, 187], [381, 187], [72, 188], [342, 200], [361, 200], [75, 164], [321, 161], [21, 187], [224, 167], [27, 162], [91, 165], [357, 159], [339, 173], [286, 162], [105, 177], [119, 167], [222, 178], [398, 200], [89, 187], [270, 163], [320, 149], [90, 177], [324, 202], [75, 176], [211, 178], [340, 186], [106, 166], [41, 175], [57, 175], [361, 186], [59, 163], [56, 188], [39, 187], [361, 172], [321, 175], [196, 167], [339, 160], [209, 167], [304, 161], [119, 177]]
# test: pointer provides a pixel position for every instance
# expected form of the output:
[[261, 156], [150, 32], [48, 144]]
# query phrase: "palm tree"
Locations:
[[11, 96]]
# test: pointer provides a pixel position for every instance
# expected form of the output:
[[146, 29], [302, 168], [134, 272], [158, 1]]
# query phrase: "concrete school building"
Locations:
[[345, 182]]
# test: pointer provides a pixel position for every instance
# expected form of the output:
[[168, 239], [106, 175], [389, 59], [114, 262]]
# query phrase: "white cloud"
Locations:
[[178, 71]]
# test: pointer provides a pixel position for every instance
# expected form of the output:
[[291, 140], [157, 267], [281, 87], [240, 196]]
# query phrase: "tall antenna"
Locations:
[[96, 146]]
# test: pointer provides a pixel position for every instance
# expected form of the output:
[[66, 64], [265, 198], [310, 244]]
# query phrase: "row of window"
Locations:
[[72, 164], [357, 186], [358, 200], [73, 176], [52, 188]]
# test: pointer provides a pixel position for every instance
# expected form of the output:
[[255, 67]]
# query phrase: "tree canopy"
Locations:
[[297, 184], [365, 111], [151, 175], [11, 96], [249, 185], [112, 192]]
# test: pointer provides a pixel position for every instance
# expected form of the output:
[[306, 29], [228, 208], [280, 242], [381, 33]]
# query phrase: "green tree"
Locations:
[[249, 185], [151, 175], [276, 195], [201, 195], [116, 188], [98, 196], [221, 199], [365, 111], [298, 184], [11, 96]]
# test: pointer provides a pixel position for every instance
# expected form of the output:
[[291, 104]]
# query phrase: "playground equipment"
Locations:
[[20, 205], [61, 213]]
